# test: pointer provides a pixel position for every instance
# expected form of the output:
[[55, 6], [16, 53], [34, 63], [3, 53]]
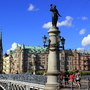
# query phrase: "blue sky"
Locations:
[[27, 21]]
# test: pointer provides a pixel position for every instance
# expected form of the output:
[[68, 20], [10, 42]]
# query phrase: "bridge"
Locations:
[[33, 82], [22, 82]]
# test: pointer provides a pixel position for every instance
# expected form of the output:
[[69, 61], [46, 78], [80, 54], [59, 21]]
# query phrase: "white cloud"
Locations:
[[80, 48], [67, 22], [32, 8], [82, 31], [86, 41], [84, 18], [47, 25], [14, 46]]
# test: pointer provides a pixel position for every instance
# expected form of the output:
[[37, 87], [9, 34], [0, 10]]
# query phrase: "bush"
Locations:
[[82, 72], [41, 72], [29, 72], [85, 72]]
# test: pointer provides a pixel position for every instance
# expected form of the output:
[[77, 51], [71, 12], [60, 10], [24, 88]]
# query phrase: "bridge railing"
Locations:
[[26, 82], [69, 85], [38, 79], [41, 80]]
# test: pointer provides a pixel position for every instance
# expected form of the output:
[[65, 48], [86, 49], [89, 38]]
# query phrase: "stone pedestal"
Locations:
[[53, 61]]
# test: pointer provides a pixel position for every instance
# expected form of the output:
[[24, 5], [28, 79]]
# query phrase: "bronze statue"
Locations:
[[55, 15]]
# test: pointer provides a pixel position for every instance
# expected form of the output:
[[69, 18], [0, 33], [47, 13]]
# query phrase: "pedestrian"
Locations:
[[61, 76], [78, 78], [72, 78], [66, 77]]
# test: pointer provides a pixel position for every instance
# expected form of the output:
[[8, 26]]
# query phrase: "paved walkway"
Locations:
[[85, 85]]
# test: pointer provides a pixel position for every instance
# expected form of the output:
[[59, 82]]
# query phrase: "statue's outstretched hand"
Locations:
[[60, 16]]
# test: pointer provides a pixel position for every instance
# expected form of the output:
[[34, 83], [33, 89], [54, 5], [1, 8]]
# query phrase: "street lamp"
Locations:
[[58, 40], [45, 40], [63, 42], [33, 63], [11, 63]]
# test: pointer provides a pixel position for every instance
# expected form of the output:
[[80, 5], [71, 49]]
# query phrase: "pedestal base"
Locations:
[[53, 61]]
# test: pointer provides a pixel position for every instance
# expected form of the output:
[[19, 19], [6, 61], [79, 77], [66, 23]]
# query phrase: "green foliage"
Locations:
[[82, 72], [85, 72], [41, 72], [29, 72]]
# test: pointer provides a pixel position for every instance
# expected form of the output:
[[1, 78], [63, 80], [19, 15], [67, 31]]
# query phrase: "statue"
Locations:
[[55, 15]]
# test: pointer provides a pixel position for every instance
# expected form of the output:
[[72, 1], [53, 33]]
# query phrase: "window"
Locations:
[[17, 66], [70, 63], [62, 63], [62, 68], [43, 62], [18, 55], [62, 58]]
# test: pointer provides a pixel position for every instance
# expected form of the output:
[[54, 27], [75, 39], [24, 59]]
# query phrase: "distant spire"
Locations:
[[23, 46], [17, 46], [1, 35], [0, 28], [0, 32]]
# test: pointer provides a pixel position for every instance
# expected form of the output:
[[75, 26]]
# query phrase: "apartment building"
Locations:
[[26, 58], [6, 64], [75, 60]]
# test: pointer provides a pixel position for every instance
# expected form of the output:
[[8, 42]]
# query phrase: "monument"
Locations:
[[55, 15], [53, 58]]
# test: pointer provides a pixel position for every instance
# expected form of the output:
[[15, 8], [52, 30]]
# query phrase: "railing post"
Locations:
[[27, 88], [88, 84], [71, 85], [59, 82], [9, 85]]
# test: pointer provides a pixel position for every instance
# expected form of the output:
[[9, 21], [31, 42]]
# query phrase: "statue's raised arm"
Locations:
[[55, 15]]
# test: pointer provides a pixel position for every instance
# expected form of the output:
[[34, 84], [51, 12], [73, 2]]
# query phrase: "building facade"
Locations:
[[7, 64], [81, 60], [27, 58], [75, 60], [66, 59]]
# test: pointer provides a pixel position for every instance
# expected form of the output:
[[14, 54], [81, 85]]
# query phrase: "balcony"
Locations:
[[86, 63], [86, 68], [86, 59]]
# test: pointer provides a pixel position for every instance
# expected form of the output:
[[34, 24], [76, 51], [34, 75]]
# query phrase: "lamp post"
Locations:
[[59, 39], [11, 63], [63, 42], [33, 63], [53, 58], [45, 40]]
